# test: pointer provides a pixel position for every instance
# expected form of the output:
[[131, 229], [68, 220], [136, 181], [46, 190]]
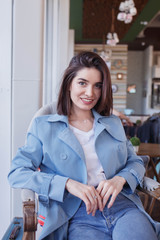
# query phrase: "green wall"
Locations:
[[76, 13]]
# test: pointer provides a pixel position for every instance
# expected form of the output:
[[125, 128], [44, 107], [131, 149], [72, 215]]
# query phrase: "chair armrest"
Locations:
[[27, 195], [29, 212], [151, 187]]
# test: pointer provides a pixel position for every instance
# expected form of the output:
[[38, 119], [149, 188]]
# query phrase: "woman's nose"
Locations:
[[89, 91]]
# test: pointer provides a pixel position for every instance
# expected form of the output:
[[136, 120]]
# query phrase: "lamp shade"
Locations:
[[121, 16], [128, 18], [109, 35], [122, 7], [133, 11]]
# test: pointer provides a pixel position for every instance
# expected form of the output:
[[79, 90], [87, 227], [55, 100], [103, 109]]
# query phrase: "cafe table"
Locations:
[[153, 151]]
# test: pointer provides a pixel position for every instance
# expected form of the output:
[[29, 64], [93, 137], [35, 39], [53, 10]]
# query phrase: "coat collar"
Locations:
[[57, 118], [111, 123], [62, 118]]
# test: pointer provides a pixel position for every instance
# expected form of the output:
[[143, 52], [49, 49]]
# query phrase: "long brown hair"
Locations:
[[78, 62]]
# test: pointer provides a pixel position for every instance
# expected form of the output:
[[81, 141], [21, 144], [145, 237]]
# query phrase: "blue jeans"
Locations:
[[123, 221]]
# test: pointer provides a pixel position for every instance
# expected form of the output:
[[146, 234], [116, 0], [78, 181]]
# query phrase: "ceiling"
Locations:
[[92, 20]]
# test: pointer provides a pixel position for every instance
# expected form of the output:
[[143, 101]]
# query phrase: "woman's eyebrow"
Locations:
[[83, 79]]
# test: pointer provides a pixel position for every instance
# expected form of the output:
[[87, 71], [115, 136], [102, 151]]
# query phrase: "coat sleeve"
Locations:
[[24, 170], [133, 171]]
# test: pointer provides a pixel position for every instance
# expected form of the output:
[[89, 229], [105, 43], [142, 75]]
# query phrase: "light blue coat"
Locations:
[[52, 147]]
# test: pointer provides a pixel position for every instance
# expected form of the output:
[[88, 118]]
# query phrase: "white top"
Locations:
[[95, 172]]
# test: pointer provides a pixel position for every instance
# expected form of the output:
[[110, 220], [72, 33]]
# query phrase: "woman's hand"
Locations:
[[111, 187], [87, 193]]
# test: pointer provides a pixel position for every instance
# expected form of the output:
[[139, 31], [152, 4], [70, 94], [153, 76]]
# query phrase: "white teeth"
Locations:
[[87, 100]]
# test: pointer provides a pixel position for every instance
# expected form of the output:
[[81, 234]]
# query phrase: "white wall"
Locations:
[[58, 47], [135, 76], [28, 22], [147, 68], [5, 110], [147, 81], [30, 63], [140, 73], [23, 66], [23, 62]]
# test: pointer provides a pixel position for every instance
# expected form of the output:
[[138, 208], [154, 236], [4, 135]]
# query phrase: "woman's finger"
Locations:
[[100, 187], [93, 202], [107, 196], [105, 189], [95, 207], [99, 203], [113, 198], [87, 203], [92, 196]]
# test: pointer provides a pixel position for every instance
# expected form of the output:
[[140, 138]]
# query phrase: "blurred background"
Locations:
[[37, 40]]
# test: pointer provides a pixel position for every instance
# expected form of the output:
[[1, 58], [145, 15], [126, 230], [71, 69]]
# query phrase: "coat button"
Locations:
[[120, 147], [63, 156]]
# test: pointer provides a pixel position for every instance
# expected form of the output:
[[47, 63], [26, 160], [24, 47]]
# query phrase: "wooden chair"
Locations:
[[150, 188], [29, 214]]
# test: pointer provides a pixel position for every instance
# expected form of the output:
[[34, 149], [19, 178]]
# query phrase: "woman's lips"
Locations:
[[87, 101]]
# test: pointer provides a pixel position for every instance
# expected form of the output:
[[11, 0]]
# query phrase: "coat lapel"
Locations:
[[68, 137], [111, 124], [102, 123]]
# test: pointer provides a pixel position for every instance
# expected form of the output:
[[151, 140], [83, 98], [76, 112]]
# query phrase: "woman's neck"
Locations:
[[82, 120]]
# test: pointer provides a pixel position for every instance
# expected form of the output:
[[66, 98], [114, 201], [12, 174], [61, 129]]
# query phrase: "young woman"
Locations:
[[88, 169]]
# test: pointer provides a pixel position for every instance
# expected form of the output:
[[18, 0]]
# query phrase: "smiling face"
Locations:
[[86, 84], [85, 89]]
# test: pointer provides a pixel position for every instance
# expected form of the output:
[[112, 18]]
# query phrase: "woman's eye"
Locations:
[[98, 85], [82, 83]]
